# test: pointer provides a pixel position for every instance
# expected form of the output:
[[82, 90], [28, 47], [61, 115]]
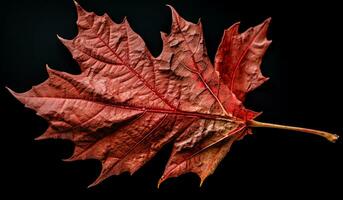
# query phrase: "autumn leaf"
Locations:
[[126, 104]]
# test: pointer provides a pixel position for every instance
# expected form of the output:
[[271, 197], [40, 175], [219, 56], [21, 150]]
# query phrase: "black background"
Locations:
[[304, 64]]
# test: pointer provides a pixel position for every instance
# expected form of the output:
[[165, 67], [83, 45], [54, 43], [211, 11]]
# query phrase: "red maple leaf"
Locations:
[[125, 105]]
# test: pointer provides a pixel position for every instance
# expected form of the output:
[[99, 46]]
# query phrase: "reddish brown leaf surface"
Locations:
[[126, 105]]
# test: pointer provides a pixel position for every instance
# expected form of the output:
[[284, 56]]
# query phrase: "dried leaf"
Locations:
[[125, 105]]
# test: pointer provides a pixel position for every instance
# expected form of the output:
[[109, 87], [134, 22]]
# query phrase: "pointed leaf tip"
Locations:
[[96, 182], [269, 19], [201, 183], [170, 6], [49, 70], [76, 3], [199, 22], [161, 180], [59, 37], [47, 67], [235, 27], [15, 94], [174, 12], [159, 183], [70, 159], [125, 21], [64, 41], [41, 137], [79, 9], [266, 22]]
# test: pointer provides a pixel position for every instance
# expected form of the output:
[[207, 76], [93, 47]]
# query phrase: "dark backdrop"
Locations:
[[304, 89]]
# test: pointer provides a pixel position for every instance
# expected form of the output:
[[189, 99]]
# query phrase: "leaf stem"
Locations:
[[329, 136]]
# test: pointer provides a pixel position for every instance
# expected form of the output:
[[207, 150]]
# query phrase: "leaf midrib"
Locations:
[[153, 110]]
